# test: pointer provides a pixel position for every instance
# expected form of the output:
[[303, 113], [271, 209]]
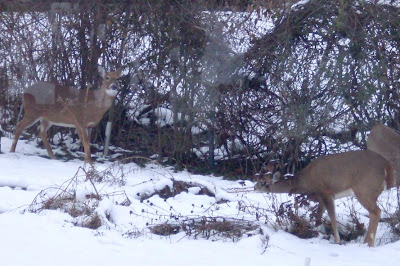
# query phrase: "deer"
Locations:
[[64, 106], [386, 141], [362, 173]]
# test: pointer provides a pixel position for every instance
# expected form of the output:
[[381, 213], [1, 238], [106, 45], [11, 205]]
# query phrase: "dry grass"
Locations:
[[213, 228]]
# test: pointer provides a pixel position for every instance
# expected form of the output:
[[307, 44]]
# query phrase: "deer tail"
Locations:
[[389, 177]]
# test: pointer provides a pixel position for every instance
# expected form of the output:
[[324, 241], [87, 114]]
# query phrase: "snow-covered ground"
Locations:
[[52, 237]]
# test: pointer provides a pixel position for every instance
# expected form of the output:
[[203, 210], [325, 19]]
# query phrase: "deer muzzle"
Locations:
[[113, 87]]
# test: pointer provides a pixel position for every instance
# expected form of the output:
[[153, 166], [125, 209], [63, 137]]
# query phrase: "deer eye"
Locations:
[[107, 78]]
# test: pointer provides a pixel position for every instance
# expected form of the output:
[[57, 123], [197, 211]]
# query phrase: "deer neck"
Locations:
[[284, 186], [302, 182], [294, 185], [102, 98]]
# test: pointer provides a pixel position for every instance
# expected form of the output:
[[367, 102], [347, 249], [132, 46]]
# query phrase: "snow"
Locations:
[[51, 237]]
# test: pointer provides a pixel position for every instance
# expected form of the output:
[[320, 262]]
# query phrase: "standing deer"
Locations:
[[362, 173], [67, 107]]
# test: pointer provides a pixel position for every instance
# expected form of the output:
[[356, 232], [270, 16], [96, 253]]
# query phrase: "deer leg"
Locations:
[[21, 125], [369, 203], [319, 212], [83, 135], [44, 126], [374, 216], [330, 207], [89, 131]]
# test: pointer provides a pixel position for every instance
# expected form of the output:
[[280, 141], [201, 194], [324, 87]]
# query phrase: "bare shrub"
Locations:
[[177, 188], [114, 174], [165, 229], [133, 233], [83, 209], [303, 218], [295, 223], [353, 229], [213, 228], [219, 228], [394, 223], [92, 221]]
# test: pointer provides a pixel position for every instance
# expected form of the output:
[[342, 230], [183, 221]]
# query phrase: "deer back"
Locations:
[[335, 174], [343, 171]]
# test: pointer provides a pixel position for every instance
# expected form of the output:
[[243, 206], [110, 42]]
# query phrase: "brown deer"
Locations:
[[67, 107], [362, 173], [386, 142]]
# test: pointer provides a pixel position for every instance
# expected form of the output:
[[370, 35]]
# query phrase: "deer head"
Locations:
[[362, 173], [52, 104], [268, 175], [110, 82]]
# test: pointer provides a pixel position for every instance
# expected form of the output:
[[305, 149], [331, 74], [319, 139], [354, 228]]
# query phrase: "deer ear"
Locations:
[[276, 176], [119, 70], [101, 71]]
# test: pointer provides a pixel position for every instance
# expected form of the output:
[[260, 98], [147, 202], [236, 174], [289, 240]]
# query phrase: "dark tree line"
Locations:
[[215, 85]]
